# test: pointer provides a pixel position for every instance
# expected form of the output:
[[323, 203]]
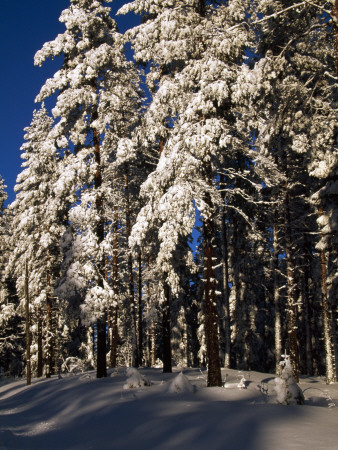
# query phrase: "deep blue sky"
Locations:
[[25, 26]]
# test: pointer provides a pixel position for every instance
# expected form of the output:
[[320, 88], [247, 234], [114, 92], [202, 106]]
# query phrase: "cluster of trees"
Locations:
[[220, 134]]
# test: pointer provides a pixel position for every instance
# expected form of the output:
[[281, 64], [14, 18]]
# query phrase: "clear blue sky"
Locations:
[[25, 25]]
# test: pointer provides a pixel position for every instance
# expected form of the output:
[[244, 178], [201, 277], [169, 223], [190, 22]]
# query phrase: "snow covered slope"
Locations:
[[82, 412]]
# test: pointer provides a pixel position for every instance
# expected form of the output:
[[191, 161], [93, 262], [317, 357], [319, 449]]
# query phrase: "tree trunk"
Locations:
[[211, 316], [135, 357], [330, 372], [49, 322], [226, 290], [49, 338], [307, 313], [114, 317], [152, 343], [201, 8], [276, 297], [40, 356], [166, 327], [167, 367], [148, 325], [139, 313], [28, 333], [335, 26], [101, 369], [291, 291]]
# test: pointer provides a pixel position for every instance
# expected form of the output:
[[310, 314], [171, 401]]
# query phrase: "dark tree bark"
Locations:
[[211, 313], [40, 356], [201, 8], [101, 369]]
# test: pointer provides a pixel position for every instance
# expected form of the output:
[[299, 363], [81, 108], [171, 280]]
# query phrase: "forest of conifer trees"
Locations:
[[178, 207]]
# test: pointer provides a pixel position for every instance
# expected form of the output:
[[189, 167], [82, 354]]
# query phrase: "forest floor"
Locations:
[[81, 412]]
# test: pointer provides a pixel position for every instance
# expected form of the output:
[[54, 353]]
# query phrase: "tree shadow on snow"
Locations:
[[81, 417]]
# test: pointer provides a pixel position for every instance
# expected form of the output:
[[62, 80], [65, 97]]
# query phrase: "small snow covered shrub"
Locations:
[[73, 365], [287, 390], [241, 384], [180, 385], [135, 379], [158, 364]]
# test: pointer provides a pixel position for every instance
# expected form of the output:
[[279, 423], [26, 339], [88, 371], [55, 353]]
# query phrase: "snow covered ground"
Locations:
[[82, 412]]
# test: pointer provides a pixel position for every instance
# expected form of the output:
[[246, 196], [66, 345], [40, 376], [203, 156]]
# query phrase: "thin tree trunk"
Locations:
[[276, 297], [330, 372], [148, 327], [166, 326], [291, 291], [114, 317], [114, 338], [226, 290], [28, 333], [135, 357], [49, 338], [336, 34], [139, 313], [151, 327], [334, 328], [49, 321], [101, 369], [152, 343], [40, 356], [307, 315], [167, 367], [109, 332]]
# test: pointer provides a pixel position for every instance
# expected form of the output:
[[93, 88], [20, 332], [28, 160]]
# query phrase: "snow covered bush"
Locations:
[[135, 379], [73, 365], [158, 364], [180, 385], [287, 390]]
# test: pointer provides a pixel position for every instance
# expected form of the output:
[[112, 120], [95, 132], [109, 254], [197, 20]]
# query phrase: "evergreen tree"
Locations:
[[11, 336], [95, 99], [38, 224]]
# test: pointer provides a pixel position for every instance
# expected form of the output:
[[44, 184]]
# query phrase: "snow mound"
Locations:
[[180, 385], [135, 379]]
